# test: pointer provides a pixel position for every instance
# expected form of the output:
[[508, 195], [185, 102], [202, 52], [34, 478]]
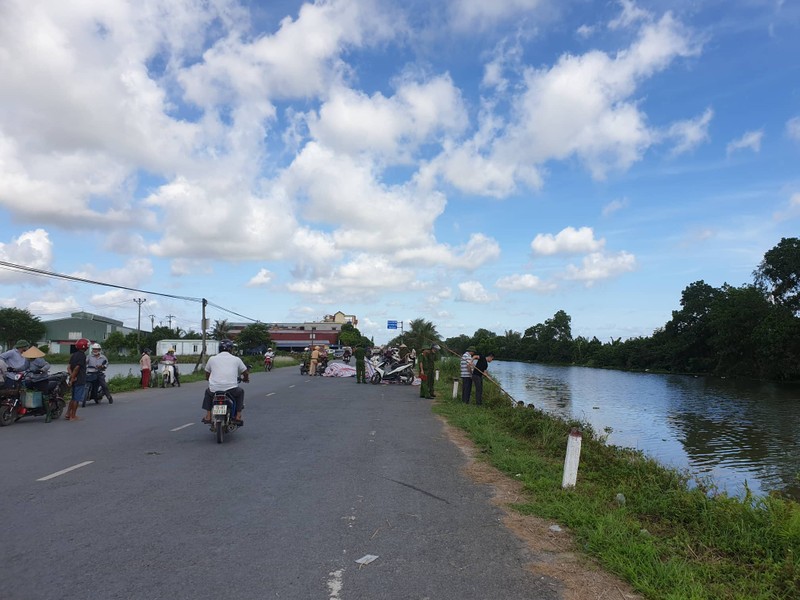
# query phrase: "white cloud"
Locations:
[[793, 128], [467, 14], [749, 141], [583, 107], [478, 251], [598, 266], [567, 241], [525, 281], [691, 133], [350, 121], [614, 206], [31, 249], [630, 15], [263, 277], [474, 292], [791, 211]]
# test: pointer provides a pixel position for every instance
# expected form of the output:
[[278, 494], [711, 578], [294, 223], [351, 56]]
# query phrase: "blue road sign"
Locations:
[[391, 325]]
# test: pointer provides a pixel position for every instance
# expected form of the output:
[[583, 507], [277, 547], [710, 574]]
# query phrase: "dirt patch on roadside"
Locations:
[[554, 552]]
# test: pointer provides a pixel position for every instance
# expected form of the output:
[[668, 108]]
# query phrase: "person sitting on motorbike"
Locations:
[[96, 365], [13, 361], [223, 371], [170, 359], [269, 356]]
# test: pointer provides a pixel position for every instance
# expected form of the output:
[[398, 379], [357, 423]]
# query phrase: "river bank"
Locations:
[[639, 519]]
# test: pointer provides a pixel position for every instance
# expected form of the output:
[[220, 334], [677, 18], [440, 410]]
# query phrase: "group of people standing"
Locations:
[[473, 370]]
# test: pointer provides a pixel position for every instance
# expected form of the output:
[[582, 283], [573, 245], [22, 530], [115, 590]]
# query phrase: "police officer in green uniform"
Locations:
[[361, 368], [427, 371]]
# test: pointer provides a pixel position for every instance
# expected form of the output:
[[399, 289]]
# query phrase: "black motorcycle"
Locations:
[[33, 395], [223, 413], [98, 387]]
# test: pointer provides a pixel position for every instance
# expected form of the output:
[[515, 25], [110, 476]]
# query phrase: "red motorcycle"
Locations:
[[268, 362]]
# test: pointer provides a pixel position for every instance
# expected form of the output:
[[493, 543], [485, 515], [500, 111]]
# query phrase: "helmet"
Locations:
[[225, 346], [146, 351], [82, 344], [170, 350], [22, 344], [96, 346]]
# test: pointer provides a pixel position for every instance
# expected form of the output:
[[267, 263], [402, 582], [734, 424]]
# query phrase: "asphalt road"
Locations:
[[324, 472]]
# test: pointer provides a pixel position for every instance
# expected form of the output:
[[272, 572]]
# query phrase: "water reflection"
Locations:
[[728, 431]]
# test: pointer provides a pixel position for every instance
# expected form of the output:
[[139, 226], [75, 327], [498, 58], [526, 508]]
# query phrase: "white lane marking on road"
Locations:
[[291, 386], [270, 394], [67, 470], [335, 584], [182, 427]]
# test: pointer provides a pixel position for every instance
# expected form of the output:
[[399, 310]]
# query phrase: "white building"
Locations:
[[186, 347]]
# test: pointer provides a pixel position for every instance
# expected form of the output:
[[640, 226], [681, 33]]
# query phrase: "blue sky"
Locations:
[[476, 164]]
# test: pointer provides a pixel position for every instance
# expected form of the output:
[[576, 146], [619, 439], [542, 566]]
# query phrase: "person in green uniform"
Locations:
[[361, 368], [427, 371]]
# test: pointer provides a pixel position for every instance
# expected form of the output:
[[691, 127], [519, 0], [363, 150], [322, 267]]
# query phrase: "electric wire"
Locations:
[[44, 273]]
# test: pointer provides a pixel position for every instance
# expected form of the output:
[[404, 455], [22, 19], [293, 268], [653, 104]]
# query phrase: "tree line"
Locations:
[[748, 331]]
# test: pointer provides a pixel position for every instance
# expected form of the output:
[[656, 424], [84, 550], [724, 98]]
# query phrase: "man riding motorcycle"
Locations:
[[223, 371]]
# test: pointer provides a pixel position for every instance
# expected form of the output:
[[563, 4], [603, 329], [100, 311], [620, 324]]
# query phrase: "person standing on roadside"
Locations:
[[312, 370], [77, 377], [466, 374], [478, 371], [361, 367], [145, 365], [427, 372]]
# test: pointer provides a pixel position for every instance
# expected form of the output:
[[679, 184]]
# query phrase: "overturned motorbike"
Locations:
[[393, 371], [34, 394]]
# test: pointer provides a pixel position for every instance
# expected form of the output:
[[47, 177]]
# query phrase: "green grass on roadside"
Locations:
[[670, 540]]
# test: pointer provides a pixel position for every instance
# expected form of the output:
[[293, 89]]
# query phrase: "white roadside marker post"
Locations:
[[572, 459], [455, 389]]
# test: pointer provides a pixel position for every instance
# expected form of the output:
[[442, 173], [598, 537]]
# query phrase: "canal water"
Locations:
[[729, 432]]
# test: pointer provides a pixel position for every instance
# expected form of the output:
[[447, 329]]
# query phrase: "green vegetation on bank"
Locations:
[[669, 539]]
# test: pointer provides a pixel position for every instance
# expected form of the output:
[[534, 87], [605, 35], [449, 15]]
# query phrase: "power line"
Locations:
[[43, 273]]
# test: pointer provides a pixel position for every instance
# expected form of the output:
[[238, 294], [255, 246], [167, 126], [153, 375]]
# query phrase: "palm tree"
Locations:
[[421, 334], [220, 330]]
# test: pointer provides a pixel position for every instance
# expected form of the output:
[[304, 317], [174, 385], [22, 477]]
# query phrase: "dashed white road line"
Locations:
[[335, 584], [270, 394], [67, 470], [291, 386], [182, 427]]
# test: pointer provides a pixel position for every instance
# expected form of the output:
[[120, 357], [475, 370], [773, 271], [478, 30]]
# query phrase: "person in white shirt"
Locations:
[[223, 371]]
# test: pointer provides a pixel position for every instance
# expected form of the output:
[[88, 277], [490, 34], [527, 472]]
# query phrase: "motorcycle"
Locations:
[[169, 375], [34, 394], [223, 411], [346, 358], [393, 371], [268, 363], [96, 380]]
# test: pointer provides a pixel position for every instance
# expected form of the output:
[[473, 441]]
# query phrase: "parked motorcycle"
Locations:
[[169, 375], [393, 371], [34, 394], [346, 358], [96, 380]]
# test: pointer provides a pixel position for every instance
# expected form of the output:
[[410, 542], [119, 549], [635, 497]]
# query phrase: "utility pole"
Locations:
[[139, 301], [170, 317], [152, 322], [203, 326]]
